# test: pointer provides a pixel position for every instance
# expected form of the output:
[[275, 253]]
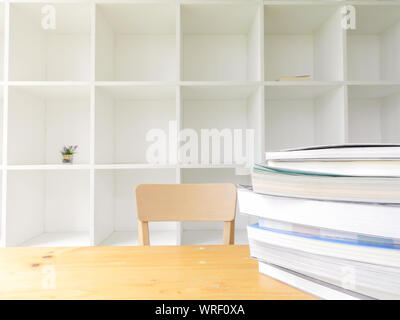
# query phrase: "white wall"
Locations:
[[27, 129], [25, 219], [288, 55], [214, 57]]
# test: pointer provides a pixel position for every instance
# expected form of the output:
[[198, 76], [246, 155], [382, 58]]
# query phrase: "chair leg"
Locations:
[[143, 233], [229, 232]]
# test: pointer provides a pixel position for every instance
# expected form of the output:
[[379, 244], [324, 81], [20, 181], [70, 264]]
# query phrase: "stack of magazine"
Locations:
[[329, 219]]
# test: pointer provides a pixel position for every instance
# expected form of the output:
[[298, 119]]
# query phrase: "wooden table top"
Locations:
[[170, 272]]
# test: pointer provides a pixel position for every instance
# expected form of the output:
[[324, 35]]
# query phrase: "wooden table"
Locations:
[[171, 272]]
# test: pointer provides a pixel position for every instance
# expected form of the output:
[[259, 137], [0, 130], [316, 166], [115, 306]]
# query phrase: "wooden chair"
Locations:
[[186, 202]]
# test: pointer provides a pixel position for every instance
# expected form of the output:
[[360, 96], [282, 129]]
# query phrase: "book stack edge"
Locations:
[[328, 219]]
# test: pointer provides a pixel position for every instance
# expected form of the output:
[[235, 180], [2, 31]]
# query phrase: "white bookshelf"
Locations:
[[112, 70]]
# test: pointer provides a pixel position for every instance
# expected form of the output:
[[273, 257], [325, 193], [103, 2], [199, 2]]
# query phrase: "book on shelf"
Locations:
[[295, 78], [327, 210]]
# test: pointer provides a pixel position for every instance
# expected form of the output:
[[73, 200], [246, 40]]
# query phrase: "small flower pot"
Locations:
[[67, 158]]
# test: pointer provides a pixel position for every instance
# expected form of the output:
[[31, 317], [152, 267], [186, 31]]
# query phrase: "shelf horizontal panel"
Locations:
[[53, 92], [218, 18], [310, 83], [118, 166], [217, 92], [118, 83], [374, 91], [299, 91], [59, 239], [50, 167], [166, 92], [49, 83]]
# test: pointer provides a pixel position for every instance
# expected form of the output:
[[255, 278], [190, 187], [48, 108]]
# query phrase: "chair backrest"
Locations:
[[186, 202]]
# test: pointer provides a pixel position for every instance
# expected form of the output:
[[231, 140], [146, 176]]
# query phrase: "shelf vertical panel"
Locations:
[[328, 49], [330, 117], [3, 233], [390, 118], [92, 120], [346, 114], [179, 45], [260, 154], [179, 121]]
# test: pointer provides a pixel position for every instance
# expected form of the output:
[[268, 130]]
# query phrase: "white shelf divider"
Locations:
[[3, 229], [92, 123]]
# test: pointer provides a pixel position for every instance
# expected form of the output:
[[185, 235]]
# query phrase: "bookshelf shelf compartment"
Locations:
[[374, 113], [44, 119], [136, 42], [298, 116], [220, 42], [303, 40], [221, 107], [124, 115], [39, 53], [372, 48], [213, 235], [115, 205], [51, 213]]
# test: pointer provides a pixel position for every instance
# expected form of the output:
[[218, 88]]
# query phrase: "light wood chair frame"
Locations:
[[186, 202]]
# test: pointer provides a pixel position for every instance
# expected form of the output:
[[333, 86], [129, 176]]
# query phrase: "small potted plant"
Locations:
[[68, 153]]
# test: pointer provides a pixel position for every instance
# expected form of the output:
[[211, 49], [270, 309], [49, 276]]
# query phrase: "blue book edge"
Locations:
[[349, 242]]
